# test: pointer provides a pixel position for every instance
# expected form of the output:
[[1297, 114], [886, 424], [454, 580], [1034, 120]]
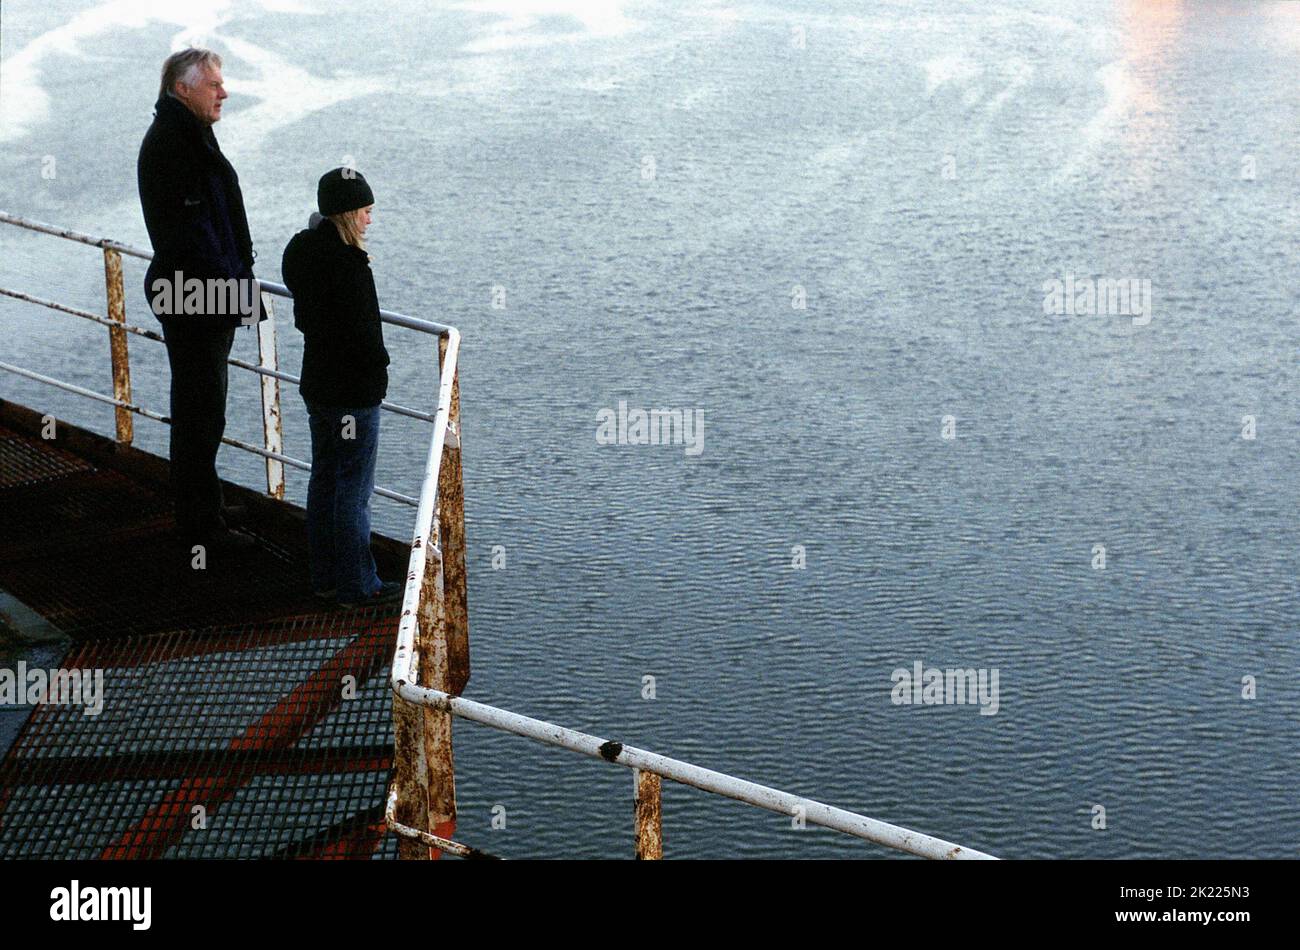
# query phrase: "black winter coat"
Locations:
[[192, 204], [344, 362]]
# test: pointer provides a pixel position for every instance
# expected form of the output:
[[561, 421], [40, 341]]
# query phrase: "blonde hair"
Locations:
[[346, 223], [184, 66]]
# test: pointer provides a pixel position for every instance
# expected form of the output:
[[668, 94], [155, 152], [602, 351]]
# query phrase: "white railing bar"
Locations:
[[290, 378], [269, 286], [72, 235], [404, 657], [158, 338], [84, 314], [432, 840], [306, 467], [82, 391], [388, 316], [408, 500], [719, 783], [166, 420]]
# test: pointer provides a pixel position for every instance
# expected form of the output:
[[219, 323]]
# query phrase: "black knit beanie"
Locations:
[[343, 189]]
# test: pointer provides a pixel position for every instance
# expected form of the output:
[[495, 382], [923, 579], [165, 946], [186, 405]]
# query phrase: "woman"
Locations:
[[344, 379]]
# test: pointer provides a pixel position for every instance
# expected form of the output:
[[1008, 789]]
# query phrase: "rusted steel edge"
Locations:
[[719, 783], [433, 841]]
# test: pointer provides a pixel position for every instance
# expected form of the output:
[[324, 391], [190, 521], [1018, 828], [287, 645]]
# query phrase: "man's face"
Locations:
[[204, 98]]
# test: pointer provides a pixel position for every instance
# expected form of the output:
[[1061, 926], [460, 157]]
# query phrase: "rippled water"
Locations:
[[919, 176]]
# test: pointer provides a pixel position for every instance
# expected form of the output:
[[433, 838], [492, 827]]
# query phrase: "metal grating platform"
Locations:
[[241, 718], [23, 462]]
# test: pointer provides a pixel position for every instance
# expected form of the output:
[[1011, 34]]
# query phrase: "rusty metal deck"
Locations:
[[242, 718]]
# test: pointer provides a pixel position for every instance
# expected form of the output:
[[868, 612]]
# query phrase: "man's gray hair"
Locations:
[[184, 67]]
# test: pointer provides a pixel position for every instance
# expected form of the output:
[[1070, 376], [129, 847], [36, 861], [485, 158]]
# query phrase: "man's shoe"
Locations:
[[327, 595], [389, 592]]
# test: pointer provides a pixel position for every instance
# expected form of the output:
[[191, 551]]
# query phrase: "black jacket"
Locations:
[[336, 308], [192, 204]]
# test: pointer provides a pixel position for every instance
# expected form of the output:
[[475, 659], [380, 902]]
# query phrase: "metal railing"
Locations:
[[431, 662], [272, 449]]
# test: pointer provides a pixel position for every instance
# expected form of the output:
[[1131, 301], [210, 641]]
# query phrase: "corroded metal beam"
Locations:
[[119, 355], [451, 539], [432, 613], [649, 816]]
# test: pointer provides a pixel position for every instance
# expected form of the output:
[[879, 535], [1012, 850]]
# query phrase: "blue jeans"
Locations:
[[338, 500]]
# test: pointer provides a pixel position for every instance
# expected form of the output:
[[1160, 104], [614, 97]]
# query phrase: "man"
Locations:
[[194, 212]]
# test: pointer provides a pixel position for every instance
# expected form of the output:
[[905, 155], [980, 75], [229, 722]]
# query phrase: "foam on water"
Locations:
[[26, 101]]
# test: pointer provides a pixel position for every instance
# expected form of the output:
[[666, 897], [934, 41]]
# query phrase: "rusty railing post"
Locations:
[[272, 430], [423, 769], [119, 355], [410, 777], [649, 816], [451, 532], [426, 777], [440, 771]]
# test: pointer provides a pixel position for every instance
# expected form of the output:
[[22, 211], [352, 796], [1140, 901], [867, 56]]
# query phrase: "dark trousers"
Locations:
[[344, 445], [197, 355]]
